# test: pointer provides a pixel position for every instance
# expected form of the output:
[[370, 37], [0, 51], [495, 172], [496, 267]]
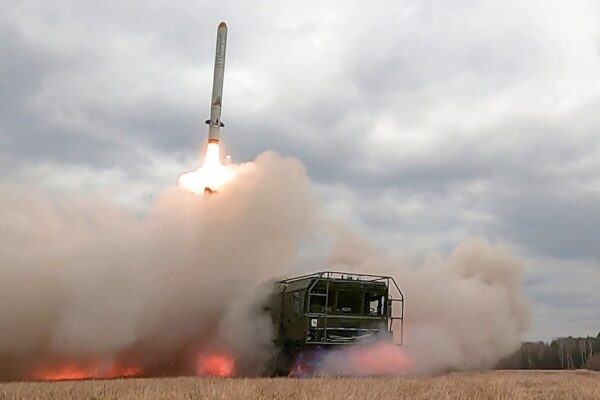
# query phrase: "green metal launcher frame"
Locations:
[[336, 308]]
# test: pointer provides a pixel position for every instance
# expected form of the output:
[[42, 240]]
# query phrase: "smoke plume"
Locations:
[[464, 312], [85, 281]]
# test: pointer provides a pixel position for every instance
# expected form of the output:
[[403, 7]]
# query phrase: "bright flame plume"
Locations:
[[212, 175], [215, 364], [87, 370]]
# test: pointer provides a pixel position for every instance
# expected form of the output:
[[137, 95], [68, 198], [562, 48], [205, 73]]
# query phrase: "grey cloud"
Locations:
[[556, 223], [565, 297]]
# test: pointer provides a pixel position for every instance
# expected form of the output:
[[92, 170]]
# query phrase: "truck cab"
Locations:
[[328, 309]]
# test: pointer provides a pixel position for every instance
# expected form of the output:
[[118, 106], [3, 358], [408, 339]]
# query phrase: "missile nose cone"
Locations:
[[222, 25]]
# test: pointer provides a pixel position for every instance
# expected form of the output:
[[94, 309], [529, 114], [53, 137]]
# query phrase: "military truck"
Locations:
[[328, 309]]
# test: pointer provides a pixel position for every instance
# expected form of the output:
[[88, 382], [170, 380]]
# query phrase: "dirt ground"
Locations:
[[497, 385]]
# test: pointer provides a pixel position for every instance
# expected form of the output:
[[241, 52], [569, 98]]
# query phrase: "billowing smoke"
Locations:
[[463, 312], [84, 280]]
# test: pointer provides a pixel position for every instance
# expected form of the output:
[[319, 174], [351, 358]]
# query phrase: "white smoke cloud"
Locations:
[[83, 277], [463, 312]]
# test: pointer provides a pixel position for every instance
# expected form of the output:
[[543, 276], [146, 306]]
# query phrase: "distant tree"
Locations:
[[593, 363], [562, 353]]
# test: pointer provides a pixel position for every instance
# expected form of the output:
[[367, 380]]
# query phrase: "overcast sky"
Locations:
[[420, 122]]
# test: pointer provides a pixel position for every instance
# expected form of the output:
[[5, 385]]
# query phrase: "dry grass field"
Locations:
[[497, 385]]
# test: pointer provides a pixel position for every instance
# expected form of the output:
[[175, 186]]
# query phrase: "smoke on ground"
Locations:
[[466, 311], [84, 280]]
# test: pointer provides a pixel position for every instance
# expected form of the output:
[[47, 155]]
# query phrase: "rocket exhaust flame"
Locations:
[[211, 176]]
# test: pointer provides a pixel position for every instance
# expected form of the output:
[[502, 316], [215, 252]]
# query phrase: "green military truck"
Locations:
[[328, 309]]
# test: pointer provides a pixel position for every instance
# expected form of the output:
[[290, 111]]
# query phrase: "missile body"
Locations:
[[214, 123]]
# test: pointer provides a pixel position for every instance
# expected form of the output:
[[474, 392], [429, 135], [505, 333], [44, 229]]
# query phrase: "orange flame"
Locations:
[[212, 175], [215, 364], [380, 359], [74, 371]]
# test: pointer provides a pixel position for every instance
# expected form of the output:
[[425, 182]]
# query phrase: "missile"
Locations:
[[214, 123]]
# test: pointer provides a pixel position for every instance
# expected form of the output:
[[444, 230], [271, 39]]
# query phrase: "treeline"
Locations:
[[561, 353]]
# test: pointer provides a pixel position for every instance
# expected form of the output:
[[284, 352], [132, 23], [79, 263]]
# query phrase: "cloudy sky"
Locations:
[[420, 122]]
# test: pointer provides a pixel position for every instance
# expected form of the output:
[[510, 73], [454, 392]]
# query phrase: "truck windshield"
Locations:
[[349, 302], [374, 303], [317, 302]]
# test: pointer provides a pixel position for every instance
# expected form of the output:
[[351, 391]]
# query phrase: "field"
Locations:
[[497, 385]]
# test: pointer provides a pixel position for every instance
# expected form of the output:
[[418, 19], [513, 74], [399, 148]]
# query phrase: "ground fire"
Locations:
[[90, 369], [215, 364]]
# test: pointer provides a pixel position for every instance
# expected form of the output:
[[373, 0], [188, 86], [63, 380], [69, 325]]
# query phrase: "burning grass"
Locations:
[[505, 385]]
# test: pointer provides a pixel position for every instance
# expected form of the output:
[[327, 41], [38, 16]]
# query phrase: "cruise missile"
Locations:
[[214, 123]]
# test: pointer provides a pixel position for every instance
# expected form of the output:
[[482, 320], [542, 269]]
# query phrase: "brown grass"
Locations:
[[497, 385]]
